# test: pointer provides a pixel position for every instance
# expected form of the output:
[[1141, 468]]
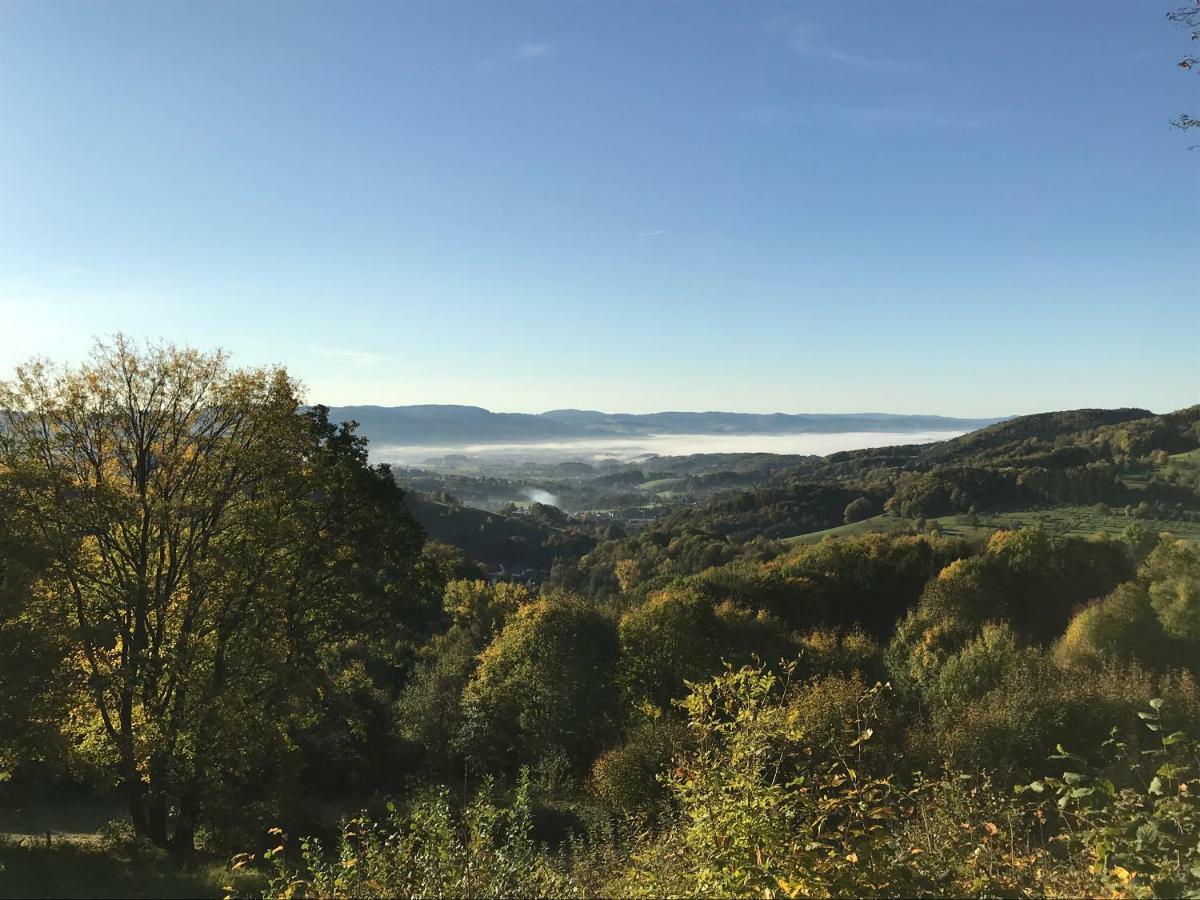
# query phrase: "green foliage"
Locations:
[[426, 851], [762, 809], [481, 607], [428, 711], [1173, 573], [204, 544], [1013, 728], [1028, 578], [211, 602], [857, 510], [545, 685], [978, 668], [1154, 620], [1119, 626], [627, 777], [682, 635], [1143, 838]]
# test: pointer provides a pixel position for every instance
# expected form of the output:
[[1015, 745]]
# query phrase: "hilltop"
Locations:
[[432, 424]]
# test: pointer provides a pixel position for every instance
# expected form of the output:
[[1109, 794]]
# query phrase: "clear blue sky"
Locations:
[[968, 208]]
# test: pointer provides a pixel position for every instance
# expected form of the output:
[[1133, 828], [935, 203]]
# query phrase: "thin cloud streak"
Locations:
[[805, 41], [532, 51]]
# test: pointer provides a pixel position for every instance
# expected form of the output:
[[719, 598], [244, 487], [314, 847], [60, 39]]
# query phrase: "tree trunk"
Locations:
[[184, 841], [133, 789], [156, 817]]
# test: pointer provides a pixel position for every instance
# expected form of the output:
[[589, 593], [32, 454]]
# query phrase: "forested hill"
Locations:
[[1121, 464], [441, 424]]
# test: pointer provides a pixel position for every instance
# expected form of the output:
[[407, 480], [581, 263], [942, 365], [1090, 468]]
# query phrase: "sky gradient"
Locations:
[[961, 208]]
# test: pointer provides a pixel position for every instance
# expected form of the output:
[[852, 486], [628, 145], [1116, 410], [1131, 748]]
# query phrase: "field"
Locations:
[[1077, 520]]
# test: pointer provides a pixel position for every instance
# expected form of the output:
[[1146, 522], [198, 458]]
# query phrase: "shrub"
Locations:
[[857, 510], [487, 851], [1143, 838], [628, 778]]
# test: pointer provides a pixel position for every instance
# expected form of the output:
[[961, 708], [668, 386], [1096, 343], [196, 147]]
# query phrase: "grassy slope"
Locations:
[[1078, 520]]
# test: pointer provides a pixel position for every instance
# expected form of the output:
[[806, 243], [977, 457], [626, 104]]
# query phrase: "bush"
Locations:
[[487, 851], [1141, 838], [628, 778]]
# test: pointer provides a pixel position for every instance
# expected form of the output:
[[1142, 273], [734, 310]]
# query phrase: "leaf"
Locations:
[[1156, 785], [1157, 703], [1174, 738]]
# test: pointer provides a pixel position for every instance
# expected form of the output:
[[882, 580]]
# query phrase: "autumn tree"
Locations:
[[205, 543], [545, 686]]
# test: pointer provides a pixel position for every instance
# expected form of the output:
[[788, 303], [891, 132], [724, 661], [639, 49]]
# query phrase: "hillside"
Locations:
[[1100, 468]]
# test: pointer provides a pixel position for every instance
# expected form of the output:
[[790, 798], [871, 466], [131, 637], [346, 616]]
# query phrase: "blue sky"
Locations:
[[967, 208]]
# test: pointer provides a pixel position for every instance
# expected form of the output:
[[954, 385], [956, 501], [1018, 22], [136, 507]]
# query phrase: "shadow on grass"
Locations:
[[67, 869]]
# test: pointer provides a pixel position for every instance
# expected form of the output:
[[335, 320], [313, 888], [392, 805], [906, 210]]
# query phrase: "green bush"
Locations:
[[628, 778], [486, 851], [1143, 838]]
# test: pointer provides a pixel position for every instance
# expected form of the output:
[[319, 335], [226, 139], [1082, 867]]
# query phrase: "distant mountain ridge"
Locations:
[[434, 424]]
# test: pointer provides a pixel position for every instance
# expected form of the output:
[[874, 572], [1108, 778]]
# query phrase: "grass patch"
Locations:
[[70, 868], [658, 485], [71, 843], [1077, 520], [882, 523]]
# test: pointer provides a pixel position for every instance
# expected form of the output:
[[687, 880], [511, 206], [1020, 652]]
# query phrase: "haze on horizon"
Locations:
[[808, 207]]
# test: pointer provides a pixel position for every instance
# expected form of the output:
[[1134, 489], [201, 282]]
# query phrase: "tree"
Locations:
[[545, 686], [205, 545], [857, 510], [1188, 17], [681, 635]]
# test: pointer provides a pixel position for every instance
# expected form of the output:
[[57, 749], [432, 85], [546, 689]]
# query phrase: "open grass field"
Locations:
[[1077, 520]]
